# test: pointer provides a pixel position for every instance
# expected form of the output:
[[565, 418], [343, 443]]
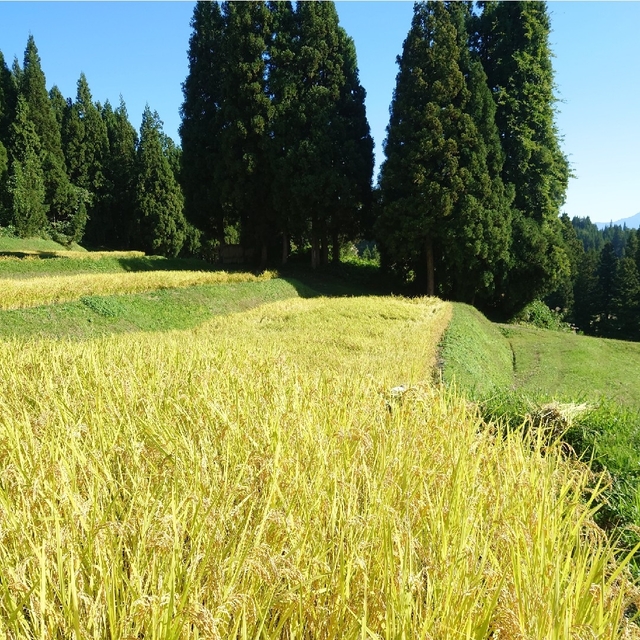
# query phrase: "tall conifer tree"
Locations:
[[202, 121], [26, 187], [161, 226], [319, 72], [7, 109], [119, 172], [443, 204], [352, 153], [513, 43], [86, 145], [246, 113], [60, 195]]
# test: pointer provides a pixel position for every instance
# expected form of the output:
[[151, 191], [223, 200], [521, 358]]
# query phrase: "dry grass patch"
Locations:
[[256, 478], [19, 294]]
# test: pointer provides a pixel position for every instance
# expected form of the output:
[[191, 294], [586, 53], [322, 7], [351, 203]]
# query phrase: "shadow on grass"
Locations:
[[157, 263], [338, 280], [29, 254]]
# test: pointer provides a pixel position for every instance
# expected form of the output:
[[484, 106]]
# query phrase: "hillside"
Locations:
[[632, 222], [483, 357], [586, 389], [285, 470]]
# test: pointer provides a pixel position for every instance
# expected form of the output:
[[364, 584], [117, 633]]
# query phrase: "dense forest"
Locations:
[[276, 158]]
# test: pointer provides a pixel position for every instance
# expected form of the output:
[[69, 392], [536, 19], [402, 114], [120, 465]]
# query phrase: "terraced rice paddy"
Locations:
[[288, 471]]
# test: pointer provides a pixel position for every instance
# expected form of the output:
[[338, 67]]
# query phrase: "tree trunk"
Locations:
[[335, 247], [431, 284], [285, 248], [324, 254], [263, 256], [315, 250]]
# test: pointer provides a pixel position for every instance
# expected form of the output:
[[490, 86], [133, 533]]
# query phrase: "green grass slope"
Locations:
[[474, 353], [160, 310], [515, 373], [566, 364], [26, 245], [483, 357]]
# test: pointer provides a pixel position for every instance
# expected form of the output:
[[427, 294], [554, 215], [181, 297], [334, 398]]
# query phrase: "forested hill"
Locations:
[[602, 295], [275, 159]]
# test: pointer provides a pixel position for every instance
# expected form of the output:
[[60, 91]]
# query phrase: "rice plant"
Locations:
[[287, 472], [19, 294]]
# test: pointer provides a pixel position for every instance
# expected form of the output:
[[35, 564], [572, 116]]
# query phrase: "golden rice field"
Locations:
[[258, 477], [19, 294]]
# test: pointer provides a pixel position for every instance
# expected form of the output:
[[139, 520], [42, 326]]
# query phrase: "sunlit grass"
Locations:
[[259, 477], [69, 254], [19, 294]]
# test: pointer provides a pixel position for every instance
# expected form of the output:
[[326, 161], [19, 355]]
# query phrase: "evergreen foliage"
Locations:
[[246, 115], [274, 134], [625, 303], [353, 153], [202, 121], [119, 171], [160, 224], [444, 208], [26, 185], [85, 147], [60, 197], [513, 43]]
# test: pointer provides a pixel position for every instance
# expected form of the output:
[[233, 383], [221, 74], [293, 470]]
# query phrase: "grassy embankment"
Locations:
[[97, 294], [235, 488], [35, 246], [516, 372], [257, 477]]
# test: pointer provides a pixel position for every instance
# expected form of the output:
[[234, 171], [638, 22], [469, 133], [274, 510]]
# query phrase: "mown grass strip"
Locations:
[[19, 294], [263, 476], [475, 355], [566, 364], [35, 245]]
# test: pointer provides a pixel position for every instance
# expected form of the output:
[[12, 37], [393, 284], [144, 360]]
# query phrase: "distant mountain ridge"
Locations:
[[632, 223]]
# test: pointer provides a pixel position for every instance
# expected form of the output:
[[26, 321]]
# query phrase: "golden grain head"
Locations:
[[259, 477]]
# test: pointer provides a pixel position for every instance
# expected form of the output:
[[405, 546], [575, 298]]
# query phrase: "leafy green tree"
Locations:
[[26, 187], [443, 205], [7, 112], [201, 124], [60, 195], [586, 293], [33, 88], [607, 268], [588, 233], [319, 80], [161, 226], [513, 43], [286, 125], [353, 153], [563, 297]]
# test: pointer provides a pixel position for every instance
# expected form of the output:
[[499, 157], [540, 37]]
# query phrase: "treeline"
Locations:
[[78, 170], [276, 156], [474, 177], [602, 295], [276, 147]]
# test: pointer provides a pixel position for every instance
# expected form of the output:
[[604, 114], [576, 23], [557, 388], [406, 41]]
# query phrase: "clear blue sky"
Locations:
[[138, 49]]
